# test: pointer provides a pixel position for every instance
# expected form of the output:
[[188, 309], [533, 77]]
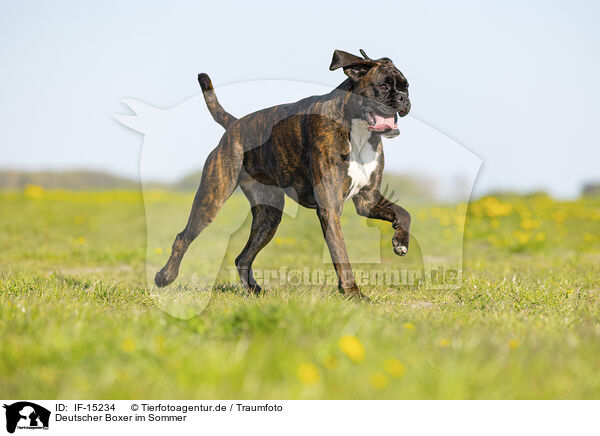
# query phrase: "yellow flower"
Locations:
[[559, 216], [33, 191], [540, 237], [524, 213], [493, 207], [378, 381], [514, 344], [330, 362], [444, 342], [436, 212], [521, 236], [529, 224], [158, 250], [128, 345], [408, 326], [445, 220], [394, 367], [81, 240], [308, 373], [352, 347]]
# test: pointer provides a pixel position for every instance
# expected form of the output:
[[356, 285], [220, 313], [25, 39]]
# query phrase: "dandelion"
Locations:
[[408, 326], [33, 191], [444, 342], [308, 373], [128, 345], [559, 216], [524, 213], [352, 347], [81, 240], [394, 367], [514, 344], [493, 207], [436, 212], [459, 221], [445, 221], [529, 224], [378, 381], [521, 236], [158, 250]]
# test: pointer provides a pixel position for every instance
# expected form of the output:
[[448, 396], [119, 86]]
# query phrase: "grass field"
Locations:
[[78, 319]]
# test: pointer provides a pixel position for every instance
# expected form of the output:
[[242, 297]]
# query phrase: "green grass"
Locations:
[[79, 320]]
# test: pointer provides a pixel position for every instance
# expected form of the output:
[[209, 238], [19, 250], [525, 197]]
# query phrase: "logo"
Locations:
[[26, 415]]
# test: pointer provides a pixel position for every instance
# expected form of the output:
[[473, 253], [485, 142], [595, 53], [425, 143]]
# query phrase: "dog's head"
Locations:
[[381, 87]]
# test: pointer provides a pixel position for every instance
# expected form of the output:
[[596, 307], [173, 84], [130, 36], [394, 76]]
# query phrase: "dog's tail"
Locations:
[[220, 115]]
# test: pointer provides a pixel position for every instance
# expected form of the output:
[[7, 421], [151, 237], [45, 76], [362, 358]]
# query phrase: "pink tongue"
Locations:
[[383, 123]]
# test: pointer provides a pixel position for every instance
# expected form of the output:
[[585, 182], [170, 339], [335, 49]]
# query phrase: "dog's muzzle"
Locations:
[[402, 104], [386, 124]]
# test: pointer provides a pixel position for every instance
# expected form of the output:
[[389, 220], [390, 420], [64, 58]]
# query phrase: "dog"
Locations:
[[319, 151]]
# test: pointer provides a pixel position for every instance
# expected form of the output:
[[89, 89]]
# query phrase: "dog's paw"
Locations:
[[163, 279], [399, 248], [354, 294]]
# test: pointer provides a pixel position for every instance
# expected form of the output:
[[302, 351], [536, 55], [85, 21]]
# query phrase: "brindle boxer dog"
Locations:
[[320, 151]]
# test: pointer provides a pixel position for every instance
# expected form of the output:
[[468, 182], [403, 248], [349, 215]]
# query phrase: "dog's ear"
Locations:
[[354, 67]]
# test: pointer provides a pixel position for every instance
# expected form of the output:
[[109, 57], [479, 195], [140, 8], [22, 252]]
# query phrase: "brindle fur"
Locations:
[[300, 150]]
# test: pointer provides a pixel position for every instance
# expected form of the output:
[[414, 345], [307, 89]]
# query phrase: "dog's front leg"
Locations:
[[332, 230], [371, 203]]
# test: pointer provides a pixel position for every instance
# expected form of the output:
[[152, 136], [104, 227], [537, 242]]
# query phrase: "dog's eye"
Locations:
[[384, 87]]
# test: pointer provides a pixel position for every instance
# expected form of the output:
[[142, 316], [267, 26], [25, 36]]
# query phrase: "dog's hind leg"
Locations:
[[267, 208], [219, 179]]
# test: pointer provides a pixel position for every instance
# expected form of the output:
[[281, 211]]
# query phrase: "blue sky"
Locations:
[[514, 82]]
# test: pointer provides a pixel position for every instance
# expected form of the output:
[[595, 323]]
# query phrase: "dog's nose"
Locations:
[[404, 106]]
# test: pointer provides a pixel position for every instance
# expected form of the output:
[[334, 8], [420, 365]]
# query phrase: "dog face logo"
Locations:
[[26, 415]]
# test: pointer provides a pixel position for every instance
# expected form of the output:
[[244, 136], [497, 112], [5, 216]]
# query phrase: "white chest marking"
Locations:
[[363, 159]]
